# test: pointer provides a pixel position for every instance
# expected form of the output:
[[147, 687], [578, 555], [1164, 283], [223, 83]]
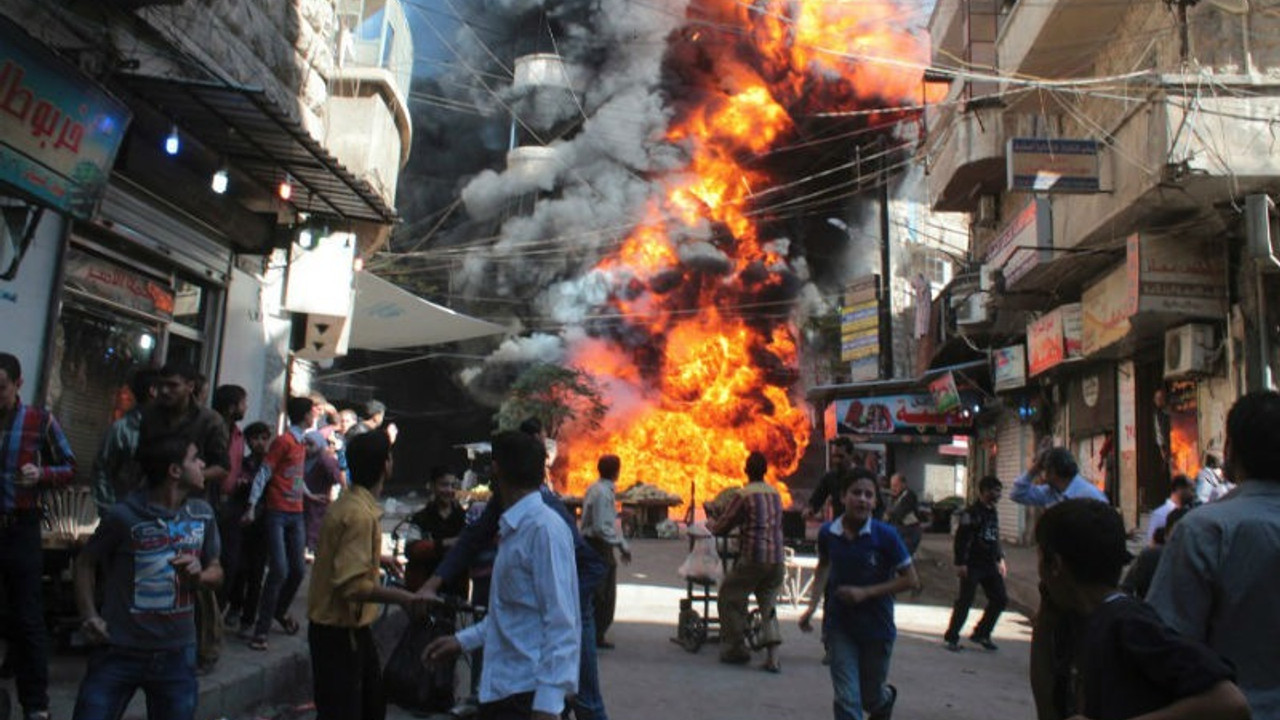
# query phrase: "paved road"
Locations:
[[649, 677]]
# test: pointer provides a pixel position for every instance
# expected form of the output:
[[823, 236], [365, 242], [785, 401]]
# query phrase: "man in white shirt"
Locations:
[[531, 636], [599, 529], [1181, 492], [1210, 484]]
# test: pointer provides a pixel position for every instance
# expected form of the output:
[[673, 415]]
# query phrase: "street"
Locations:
[[649, 676]]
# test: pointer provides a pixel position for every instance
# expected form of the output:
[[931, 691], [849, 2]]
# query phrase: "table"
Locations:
[[645, 516]]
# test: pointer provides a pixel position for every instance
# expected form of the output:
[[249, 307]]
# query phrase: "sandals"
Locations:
[[774, 667], [288, 624], [258, 643]]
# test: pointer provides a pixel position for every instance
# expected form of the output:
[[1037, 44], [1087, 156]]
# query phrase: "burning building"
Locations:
[[676, 232]]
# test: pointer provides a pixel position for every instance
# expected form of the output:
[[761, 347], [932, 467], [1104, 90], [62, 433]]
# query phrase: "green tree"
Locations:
[[555, 395]]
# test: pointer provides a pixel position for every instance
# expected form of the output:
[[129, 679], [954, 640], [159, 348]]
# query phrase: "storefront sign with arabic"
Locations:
[[1010, 367], [1045, 342], [1177, 275], [892, 414], [106, 280], [59, 130], [1107, 309]]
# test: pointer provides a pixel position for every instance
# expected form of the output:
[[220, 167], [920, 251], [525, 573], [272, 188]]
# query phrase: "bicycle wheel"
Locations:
[[691, 631]]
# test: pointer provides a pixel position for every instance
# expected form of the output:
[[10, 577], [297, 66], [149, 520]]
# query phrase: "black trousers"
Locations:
[[22, 564], [514, 707], [997, 599], [606, 595], [346, 673]]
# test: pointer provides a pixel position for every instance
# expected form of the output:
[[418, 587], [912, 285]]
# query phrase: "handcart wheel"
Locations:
[[691, 632], [754, 631]]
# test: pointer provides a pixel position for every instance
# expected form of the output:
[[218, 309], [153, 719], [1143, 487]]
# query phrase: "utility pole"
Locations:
[[886, 280], [1260, 260]]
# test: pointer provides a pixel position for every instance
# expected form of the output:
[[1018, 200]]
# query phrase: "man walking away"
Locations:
[[1217, 581], [979, 560], [280, 480], [115, 471], [902, 512], [34, 454], [531, 635], [156, 548], [760, 568], [599, 528], [344, 593]]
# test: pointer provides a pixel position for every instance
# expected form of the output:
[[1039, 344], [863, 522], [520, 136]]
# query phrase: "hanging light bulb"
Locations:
[[285, 189], [172, 144], [219, 182]]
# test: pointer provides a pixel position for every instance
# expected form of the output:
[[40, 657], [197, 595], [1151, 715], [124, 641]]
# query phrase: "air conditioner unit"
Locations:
[[1188, 349], [988, 213], [973, 310]]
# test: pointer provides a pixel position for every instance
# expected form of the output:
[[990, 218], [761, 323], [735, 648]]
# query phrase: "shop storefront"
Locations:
[[141, 287], [1013, 444], [59, 135]]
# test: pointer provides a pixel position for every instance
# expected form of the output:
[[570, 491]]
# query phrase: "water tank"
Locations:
[[532, 166], [541, 70]]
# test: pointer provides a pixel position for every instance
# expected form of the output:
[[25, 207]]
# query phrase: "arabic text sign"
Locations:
[[860, 328], [59, 131], [1107, 308], [1026, 242], [945, 395], [1010, 367], [1045, 342], [1053, 165], [890, 414], [1177, 275], [105, 279]]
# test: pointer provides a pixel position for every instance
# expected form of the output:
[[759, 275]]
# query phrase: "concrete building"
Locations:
[[1114, 159], [167, 166]]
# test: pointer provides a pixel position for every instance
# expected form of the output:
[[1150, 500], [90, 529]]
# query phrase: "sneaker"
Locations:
[[985, 642], [952, 645], [886, 712]]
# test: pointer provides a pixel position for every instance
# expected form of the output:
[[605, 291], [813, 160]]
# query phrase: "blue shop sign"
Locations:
[[59, 130]]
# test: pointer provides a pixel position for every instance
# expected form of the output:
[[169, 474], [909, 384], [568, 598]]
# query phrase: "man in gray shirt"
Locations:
[[1217, 579], [599, 515]]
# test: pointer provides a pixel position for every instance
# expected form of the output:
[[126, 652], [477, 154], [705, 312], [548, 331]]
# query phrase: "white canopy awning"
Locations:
[[384, 317]]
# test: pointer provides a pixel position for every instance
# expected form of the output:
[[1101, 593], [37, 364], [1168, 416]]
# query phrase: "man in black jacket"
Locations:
[[979, 561]]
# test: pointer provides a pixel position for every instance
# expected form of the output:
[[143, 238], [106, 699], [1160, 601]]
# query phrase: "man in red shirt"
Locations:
[[280, 480]]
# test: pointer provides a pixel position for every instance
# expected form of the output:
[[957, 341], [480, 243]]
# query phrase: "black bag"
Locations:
[[410, 683]]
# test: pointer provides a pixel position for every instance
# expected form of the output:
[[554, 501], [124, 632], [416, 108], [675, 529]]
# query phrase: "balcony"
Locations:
[[970, 159], [369, 127], [1042, 38]]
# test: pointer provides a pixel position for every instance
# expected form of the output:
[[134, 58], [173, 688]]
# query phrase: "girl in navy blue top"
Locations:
[[862, 562]]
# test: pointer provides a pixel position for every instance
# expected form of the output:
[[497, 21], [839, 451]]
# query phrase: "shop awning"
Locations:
[[265, 142], [823, 394], [385, 316]]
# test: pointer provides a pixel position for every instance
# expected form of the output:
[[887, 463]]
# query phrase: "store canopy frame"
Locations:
[[261, 139]]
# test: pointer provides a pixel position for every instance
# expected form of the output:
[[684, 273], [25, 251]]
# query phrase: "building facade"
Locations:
[[1115, 160], [166, 165]]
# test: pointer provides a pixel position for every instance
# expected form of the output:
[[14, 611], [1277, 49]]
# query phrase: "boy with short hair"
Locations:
[[243, 581], [1128, 663], [158, 547], [979, 560], [862, 562]]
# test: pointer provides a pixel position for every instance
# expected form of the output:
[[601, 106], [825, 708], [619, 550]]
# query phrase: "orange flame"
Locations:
[[711, 383]]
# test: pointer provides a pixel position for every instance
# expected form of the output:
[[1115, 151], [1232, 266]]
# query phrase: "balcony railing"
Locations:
[[375, 34]]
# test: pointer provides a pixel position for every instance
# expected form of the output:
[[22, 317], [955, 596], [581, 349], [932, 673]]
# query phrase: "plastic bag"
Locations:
[[703, 562]]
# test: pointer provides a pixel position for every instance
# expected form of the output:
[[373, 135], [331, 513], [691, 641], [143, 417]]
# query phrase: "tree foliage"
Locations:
[[557, 396]]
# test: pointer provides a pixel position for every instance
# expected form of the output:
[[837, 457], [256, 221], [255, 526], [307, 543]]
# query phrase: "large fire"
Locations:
[[712, 382]]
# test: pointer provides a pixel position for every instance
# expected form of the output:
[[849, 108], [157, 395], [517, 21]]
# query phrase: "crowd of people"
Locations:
[[206, 527]]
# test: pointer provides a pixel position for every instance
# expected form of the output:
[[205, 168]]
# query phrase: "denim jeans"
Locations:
[[114, 674], [286, 564], [859, 669], [21, 565], [588, 704]]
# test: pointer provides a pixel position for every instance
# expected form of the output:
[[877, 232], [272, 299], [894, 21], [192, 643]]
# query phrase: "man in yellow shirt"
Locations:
[[344, 593]]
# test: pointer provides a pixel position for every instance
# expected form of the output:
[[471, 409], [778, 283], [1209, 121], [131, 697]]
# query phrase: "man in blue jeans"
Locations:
[[279, 484], [862, 562], [157, 548]]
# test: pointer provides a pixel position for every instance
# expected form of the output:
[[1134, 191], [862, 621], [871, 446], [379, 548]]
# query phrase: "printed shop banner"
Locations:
[[902, 414]]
